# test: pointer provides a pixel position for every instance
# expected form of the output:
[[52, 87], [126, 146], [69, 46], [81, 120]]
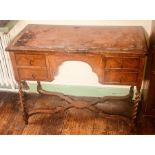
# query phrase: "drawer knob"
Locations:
[[31, 62], [33, 76]]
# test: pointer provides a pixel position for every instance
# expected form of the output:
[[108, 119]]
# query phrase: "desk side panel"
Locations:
[[13, 61]]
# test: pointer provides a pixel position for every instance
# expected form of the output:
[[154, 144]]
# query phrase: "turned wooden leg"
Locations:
[[25, 86], [135, 108], [22, 104]]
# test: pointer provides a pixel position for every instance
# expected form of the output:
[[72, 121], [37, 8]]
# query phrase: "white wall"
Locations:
[[80, 73], [145, 23]]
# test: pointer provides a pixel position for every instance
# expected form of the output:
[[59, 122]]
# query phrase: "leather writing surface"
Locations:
[[80, 38]]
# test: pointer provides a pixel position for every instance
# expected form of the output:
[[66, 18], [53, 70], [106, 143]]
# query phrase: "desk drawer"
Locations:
[[30, 60], [125, 63], [32, 74], [120, 77]]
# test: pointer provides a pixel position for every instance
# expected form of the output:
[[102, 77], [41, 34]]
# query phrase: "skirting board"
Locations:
[[77, 90]]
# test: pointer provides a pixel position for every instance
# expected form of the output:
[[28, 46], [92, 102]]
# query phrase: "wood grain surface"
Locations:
[[80, 38]]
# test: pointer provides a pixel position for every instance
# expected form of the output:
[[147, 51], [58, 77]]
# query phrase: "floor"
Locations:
[[71, 122]]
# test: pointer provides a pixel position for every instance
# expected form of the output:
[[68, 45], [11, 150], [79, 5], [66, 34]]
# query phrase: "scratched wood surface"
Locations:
[[72, 122], [80, 38]]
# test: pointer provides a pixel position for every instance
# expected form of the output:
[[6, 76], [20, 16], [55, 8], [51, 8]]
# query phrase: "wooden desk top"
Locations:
[[122, 39]]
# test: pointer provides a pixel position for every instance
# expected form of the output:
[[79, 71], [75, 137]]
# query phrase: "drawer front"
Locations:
[[132, 63], [30, 60], [125, 63], [33, 74], [120, 77], [113, 62]]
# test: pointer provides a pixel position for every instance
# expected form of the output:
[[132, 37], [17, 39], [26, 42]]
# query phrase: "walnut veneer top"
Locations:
[[80, 38]]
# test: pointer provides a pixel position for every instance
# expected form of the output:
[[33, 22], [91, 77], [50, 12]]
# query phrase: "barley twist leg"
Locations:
[[22, 104], [135, 108]]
